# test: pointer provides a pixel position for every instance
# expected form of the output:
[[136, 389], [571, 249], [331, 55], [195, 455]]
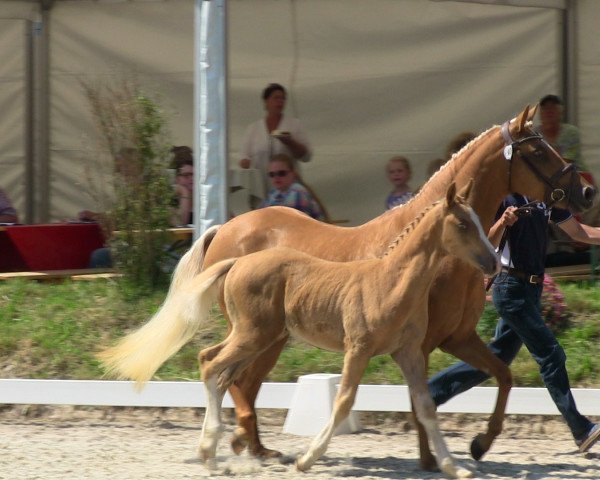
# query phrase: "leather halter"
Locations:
[[553, 193]]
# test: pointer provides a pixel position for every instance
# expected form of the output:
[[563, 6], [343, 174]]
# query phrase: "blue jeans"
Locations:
[[518, 303]]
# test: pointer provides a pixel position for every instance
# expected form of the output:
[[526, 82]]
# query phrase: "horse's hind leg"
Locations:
[[476, 353], [355, 363], [412, 363], [219, 366], [243, 392]]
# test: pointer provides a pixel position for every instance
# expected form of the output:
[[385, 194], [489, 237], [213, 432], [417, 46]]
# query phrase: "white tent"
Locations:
[[368, 80]]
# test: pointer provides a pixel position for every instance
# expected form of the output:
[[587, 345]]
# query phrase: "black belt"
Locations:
[[513, 272]]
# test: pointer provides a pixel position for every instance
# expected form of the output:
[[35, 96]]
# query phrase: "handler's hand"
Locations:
[[509, 217]]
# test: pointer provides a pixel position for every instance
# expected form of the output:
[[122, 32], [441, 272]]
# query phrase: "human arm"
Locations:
[[508, 218], [580, 232], [8, 218], [185, 205], [297, 141], [298, 149], [246, 150]]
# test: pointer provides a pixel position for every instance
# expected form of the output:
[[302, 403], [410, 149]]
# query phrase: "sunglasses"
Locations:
[[279, 173]]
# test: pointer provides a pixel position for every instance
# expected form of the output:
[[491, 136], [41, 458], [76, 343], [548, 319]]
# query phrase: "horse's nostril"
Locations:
[[589, 193]]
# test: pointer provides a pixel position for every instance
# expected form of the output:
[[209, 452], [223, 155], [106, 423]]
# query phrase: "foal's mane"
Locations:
[[409, 228]]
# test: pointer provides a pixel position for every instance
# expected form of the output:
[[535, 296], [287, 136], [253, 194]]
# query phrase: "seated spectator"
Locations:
[[128, 168], [288, 190], [8, 214], [399, 172]]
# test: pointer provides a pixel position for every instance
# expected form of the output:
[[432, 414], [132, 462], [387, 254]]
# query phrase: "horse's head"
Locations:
[[537, 170], [463, 235]]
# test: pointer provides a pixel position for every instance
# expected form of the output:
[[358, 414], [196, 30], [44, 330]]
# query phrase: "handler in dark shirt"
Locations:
[[516, 294]]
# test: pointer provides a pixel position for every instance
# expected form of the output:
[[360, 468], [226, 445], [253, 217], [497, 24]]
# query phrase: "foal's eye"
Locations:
[[462, 225]]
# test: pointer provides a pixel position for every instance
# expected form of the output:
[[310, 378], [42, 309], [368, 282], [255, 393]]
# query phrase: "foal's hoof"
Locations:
[[478, 447]]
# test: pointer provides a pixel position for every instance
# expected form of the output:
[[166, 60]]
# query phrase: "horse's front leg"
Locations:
[[412, 362], [244, 392], [473, 351], [355, 363]]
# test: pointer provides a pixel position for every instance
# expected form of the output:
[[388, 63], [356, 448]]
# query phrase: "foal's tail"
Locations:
[[138, 355]]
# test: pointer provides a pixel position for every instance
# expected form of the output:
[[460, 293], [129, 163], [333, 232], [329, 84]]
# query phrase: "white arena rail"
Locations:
[[380, 398]]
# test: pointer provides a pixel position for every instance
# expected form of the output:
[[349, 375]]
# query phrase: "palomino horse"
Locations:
[[511, 158], [362, 308]]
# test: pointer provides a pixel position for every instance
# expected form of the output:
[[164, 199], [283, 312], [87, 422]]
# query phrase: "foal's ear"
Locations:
[[523, 118], [451, 195], [466, 191]]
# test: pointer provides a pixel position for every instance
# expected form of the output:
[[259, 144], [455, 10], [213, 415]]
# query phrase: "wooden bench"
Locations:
[[52, 275], [573, 272]]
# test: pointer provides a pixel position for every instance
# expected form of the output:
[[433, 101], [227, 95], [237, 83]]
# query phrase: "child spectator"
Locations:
[[288, 189], [399, 173]]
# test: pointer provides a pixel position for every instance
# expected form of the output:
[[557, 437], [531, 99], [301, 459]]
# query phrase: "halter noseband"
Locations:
[[554, 194]]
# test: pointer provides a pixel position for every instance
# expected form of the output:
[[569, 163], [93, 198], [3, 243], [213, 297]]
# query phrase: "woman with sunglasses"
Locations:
[[274, 134], [288, 190]]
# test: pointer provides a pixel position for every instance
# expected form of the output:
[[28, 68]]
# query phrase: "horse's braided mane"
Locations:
[[409, 228]]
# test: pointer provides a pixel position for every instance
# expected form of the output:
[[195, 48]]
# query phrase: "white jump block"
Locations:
[[312, 405]]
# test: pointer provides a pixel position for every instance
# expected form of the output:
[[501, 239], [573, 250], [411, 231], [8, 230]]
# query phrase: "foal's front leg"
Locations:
[[355, 363], [411, 361]]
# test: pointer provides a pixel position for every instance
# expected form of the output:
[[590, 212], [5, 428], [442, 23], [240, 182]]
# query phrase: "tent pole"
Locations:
[[569, 63], [41, 113], [210, 115]]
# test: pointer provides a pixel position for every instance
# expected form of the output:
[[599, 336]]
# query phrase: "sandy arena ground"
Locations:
[[39, 442]]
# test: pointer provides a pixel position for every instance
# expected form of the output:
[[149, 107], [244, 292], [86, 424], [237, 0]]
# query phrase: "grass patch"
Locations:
[[53, 331]]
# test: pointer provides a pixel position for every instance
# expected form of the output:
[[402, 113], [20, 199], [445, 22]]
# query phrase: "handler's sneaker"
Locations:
[[588, 441]]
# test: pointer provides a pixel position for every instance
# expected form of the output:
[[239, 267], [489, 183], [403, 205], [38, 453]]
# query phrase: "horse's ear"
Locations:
[[451, 195], [466, 191], [523, 118], [532, 112]]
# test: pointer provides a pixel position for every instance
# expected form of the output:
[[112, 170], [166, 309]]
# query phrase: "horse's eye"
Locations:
[[462, 225], [538, 153]]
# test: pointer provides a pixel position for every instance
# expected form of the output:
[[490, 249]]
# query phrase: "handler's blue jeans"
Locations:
[[518, 303]]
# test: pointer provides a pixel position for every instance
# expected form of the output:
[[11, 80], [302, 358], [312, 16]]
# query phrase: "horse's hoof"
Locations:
[[478, 449], [302, 465], [429, 464], [262, 452], [455, 471], [239, 442]]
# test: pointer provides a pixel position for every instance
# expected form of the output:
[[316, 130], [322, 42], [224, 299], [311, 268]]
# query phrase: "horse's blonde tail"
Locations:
[[140, 354], [191, 263]]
